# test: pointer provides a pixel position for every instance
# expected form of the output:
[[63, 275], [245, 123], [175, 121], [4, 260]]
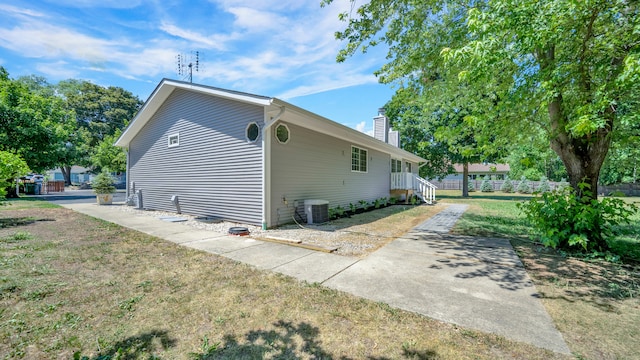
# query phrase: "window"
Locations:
[[174, 140], [396, 166], [358, 159], [282, 133], [253, 132], [408, 167]]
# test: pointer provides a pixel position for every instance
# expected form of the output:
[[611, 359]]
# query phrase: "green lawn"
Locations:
[[496, 214]]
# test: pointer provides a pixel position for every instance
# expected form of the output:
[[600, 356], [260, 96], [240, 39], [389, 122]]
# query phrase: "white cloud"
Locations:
[[58, 70], [264, 46], [362, 127], [10, 10], [43, 40], [217, 42], [255, 20]]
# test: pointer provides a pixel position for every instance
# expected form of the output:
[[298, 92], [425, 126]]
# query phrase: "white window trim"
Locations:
[[176, 135], [275, 133], [359, 155], [246, 132]]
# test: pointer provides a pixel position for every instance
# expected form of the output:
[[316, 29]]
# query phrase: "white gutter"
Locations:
[[266, 167]]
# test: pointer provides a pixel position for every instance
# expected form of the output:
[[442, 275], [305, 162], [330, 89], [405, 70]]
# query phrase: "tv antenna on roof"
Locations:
[[188, 64]]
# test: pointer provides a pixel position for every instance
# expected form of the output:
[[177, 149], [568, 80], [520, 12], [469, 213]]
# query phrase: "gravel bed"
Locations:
[[325, 235]]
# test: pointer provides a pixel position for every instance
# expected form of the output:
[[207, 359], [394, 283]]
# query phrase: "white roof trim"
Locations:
[[293, 114]]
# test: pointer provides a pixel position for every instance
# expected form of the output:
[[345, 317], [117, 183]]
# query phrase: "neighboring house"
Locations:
[[252, 159], [478, 171], [79, 174]]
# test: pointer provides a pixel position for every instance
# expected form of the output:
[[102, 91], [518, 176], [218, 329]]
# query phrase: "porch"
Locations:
[[408, 184]]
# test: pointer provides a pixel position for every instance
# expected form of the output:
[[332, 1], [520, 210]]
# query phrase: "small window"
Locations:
[[396, 166], [282, 133], [174, 140], [253, 132], [358, 159], [408, 167]]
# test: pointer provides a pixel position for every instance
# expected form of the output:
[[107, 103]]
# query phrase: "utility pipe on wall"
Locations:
[[266, 166]]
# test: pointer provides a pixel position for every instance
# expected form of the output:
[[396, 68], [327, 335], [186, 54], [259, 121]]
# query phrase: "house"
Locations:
[[79, 174], [253, 159], [479, 171]]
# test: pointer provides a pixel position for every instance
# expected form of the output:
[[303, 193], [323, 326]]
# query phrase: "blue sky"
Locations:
[[280, 48]]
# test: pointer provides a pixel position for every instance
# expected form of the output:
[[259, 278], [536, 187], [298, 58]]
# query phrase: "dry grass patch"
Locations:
[[74, 284], [360, 234], [596, 305]]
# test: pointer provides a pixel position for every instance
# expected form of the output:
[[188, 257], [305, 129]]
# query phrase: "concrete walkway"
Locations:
[[473, 282]]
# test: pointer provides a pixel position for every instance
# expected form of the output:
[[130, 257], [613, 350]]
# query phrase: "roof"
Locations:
[[292, 114], [484, 168]]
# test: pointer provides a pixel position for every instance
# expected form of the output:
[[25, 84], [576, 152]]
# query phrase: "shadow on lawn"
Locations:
[[286, 341], [14, 222], [575, 279], [21, 221], [475, 257], [134, 347]]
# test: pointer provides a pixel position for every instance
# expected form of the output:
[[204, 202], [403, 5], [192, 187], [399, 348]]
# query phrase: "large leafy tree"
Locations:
[[569, 68], [100, 112], [34, 126]]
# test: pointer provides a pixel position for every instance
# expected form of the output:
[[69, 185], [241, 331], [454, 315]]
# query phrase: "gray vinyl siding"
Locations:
[[214, 171], [316, 166]]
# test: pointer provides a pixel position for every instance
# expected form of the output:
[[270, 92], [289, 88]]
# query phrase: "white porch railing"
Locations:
[[409, 181]]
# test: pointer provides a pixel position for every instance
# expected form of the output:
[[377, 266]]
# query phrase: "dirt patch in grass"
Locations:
[[74, 284]]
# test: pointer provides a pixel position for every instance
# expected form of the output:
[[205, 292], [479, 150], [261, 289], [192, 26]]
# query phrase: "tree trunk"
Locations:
[[582, 156], [465, 179], [66, 173]]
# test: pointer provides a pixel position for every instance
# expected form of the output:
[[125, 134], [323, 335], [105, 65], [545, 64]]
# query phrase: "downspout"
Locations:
[[126, 173], [266, 165]]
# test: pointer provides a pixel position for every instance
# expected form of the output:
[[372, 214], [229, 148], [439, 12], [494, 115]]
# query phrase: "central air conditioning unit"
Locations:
[[317, 211]]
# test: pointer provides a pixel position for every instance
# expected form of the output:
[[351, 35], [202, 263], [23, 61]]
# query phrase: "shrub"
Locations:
[[364, 204], [486, 185], [617, 193], [507, 185], [544, 185], [569, 219], [470, 187], [393, 201], [103, 183], [352, 207], [339, 211], [524, 187]]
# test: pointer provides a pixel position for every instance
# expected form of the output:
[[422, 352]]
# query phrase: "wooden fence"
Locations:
[[52, 186]]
